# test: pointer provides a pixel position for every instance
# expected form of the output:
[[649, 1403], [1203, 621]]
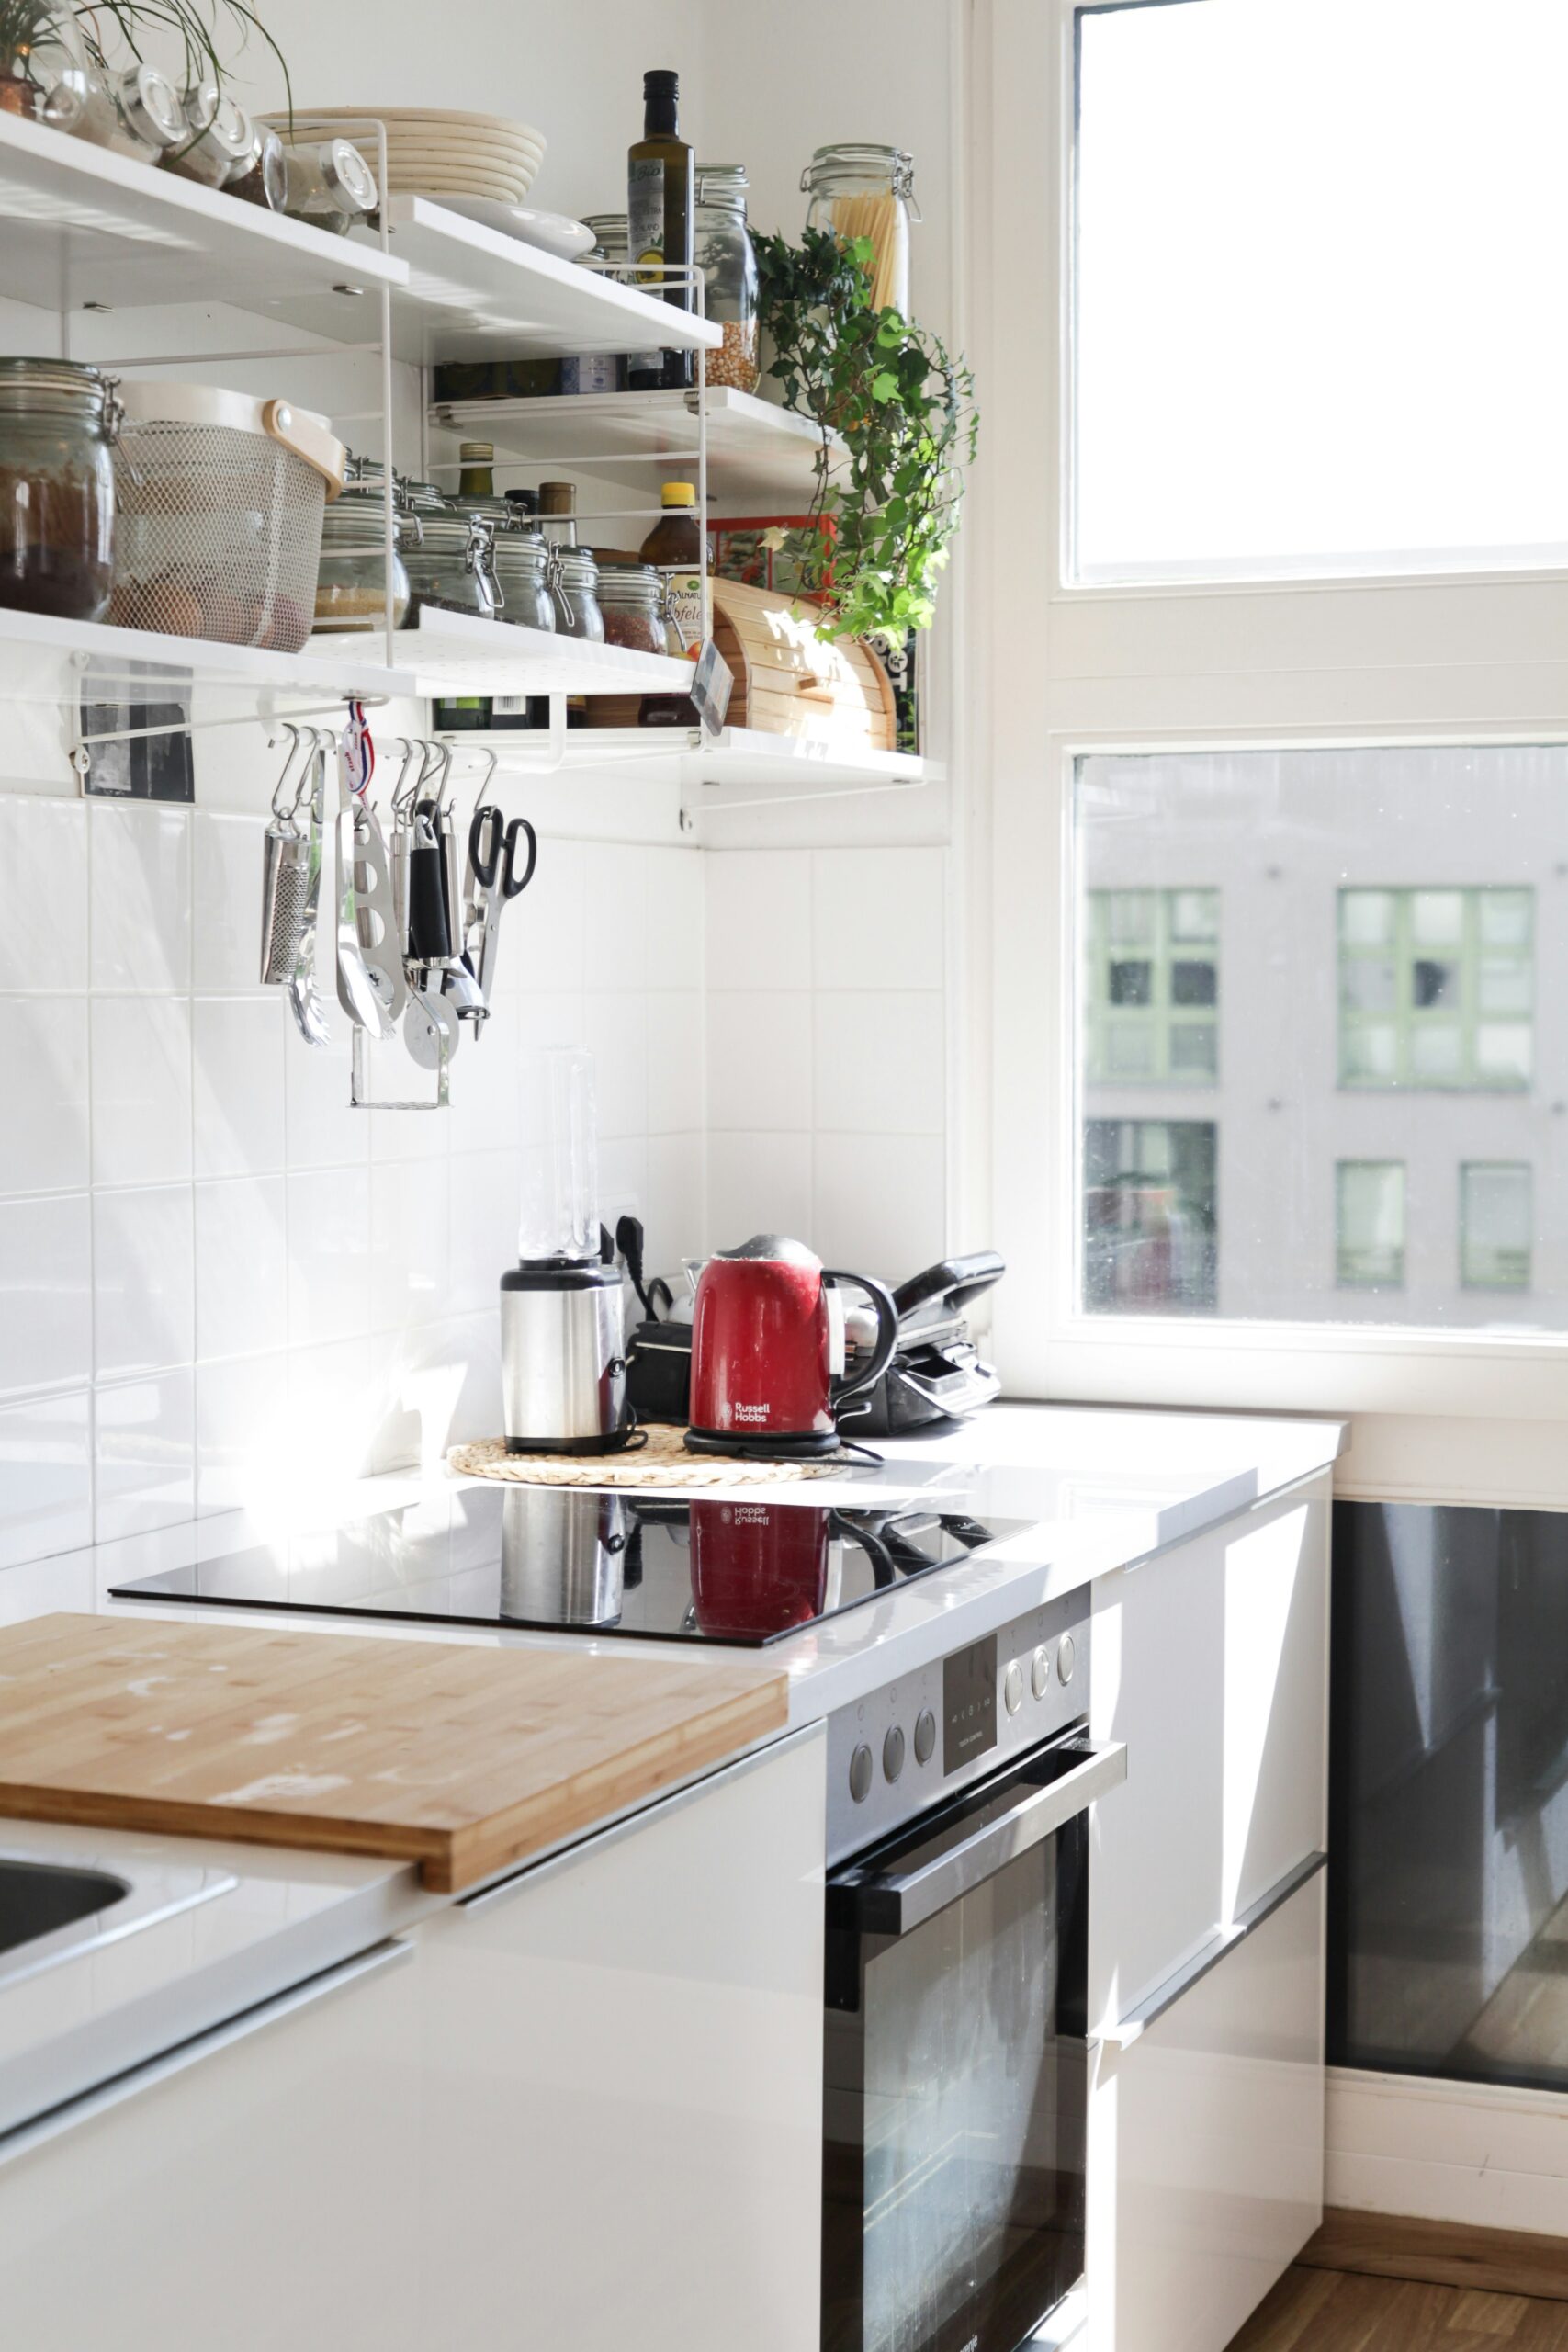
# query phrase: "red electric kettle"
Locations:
[[768, 1354]]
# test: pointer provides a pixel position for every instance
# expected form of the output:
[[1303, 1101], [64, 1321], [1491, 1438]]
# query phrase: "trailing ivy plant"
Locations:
[[904, 410]]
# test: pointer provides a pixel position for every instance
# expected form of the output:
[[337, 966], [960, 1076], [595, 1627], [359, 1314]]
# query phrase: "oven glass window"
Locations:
[[964, 2088]]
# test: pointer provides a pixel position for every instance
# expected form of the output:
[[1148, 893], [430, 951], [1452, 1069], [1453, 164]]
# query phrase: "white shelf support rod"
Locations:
[[200, 726]]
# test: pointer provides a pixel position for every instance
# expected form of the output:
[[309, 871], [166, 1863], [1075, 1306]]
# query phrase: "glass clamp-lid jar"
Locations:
[[575, 583], [261, 177], [522, 569], [452, 570], [59, 425], [864, 190], [633, 601], [331, 186], [351, 582], [724, 253]]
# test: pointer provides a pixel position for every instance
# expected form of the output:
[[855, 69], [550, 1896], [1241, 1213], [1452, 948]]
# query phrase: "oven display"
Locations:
[[969, 1703]]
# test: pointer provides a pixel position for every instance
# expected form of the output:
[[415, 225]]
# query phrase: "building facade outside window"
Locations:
[[1497, 1225], [1149, 1216], [1437, 988], [1154, 986], [1369, 1223]]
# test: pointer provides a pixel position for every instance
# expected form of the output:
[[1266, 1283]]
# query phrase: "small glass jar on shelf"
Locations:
[[218, 137], [330, 185], [453, 569], [632, 599], [724, 253], [261, 175], [575, 584], [59, 423], [858, 190], [351, 579], [523, 570]]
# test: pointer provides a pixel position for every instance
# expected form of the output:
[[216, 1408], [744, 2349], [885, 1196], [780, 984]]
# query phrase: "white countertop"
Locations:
[[1096, 1489]]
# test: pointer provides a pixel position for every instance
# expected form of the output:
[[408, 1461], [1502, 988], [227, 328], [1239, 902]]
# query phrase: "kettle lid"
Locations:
[[776, 1248]]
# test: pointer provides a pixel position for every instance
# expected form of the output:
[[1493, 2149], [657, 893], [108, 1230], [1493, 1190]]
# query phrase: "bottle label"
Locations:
[[645, 217], [683, 608]]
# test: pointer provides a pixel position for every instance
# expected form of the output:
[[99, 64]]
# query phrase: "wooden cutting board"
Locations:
[[459, 1758]]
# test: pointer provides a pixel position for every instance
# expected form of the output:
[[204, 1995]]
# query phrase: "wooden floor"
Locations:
[[1329, 2311]]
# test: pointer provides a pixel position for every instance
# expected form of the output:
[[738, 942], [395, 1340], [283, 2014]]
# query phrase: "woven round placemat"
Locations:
[[663, 1462]]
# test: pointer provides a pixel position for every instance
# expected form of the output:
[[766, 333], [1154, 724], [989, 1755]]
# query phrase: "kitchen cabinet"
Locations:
[[621, 2057], [1206, 1927], [581, 2108]]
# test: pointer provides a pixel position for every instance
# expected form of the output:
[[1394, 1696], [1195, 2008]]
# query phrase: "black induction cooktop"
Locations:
[[731, 1568]]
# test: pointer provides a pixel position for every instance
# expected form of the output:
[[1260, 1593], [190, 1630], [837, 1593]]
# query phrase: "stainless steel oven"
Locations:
[[956, 2067]]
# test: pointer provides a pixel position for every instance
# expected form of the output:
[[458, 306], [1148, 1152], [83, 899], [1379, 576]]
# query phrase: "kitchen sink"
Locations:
[[37, 1898]]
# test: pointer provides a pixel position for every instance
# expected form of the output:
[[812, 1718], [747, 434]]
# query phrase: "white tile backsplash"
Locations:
[[43, 896], [141, 896], [241, 1266], [329, 1256], [238, 1046], [759, 1056], [877, 1202], [877, 918], [144, 1455], [226, 868], [46, 1293], [143, 1281], [758, 1183], [877, 1061], [759, 919], [44, 1135], [45, 1477], [141, 1089]]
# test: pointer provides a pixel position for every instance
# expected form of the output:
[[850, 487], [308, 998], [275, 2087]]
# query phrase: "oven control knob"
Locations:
[[1013, 1687], [861, 1769], [925, 1736], [893, 1754], [1064, 1657], [1040, 1671]]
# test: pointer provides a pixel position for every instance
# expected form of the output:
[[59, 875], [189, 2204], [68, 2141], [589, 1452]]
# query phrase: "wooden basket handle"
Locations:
[[321, 450]]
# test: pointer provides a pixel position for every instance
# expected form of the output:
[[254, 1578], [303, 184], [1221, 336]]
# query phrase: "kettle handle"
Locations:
[[841, 1387]]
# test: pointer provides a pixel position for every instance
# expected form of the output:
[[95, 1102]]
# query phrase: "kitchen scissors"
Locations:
[[502, 859]]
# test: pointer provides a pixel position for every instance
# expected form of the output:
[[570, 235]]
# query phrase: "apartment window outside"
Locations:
[[1149, 1200], [1369, 1223], [1437, 988], [1152, 981], [1497, 1225]]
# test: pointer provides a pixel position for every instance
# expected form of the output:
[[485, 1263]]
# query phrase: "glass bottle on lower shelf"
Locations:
[[492, 714]]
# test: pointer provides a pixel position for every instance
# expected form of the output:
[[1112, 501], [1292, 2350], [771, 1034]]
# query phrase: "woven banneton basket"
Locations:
[[663, 1462]]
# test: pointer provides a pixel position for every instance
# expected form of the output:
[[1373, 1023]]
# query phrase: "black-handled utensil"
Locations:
[[629, 1241], [493, 851], [430, 930]]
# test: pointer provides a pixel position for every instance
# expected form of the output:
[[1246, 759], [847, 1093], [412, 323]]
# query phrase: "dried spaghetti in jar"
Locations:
[[863, 190]]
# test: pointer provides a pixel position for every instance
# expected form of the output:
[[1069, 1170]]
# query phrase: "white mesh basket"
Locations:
[[218, 532]]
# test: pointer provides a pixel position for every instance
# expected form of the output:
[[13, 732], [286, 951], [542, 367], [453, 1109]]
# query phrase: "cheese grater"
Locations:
[[286, 878]]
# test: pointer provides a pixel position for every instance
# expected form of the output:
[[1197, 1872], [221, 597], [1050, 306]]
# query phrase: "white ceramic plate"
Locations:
[[552, 233]]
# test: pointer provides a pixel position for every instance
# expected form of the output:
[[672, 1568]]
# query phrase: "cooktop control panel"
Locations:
[[904, 1749]]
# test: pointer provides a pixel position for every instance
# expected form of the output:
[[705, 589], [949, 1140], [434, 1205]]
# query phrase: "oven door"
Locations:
[[955, 2086]]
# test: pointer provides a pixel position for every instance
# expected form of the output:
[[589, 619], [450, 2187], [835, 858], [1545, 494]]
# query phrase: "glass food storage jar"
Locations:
[[632, 598], [725, 254], [522, 569], [58, 426], [260, 176], [351, 582], [218, 140], [862, 190], [575, 578], [331, 186], [452, 570]]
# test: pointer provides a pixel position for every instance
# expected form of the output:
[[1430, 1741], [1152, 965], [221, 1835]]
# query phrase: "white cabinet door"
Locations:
[[1211, 1663], [623, 2083], [256, 2190], [1205, 2147]]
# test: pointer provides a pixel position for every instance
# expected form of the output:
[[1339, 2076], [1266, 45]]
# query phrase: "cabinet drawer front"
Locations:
[[1205, 2149], [1210, 1664]]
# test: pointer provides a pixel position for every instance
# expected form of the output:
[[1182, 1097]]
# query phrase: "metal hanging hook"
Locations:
[[286, 798]]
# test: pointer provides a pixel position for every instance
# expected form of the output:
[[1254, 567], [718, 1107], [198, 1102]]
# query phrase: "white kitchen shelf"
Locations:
[[46, 660], [80, 226], [762, 459], [742, 760], [472, 293], [455, 654]]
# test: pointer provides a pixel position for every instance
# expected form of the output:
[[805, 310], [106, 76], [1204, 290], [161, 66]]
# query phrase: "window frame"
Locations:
[[1361, 661]]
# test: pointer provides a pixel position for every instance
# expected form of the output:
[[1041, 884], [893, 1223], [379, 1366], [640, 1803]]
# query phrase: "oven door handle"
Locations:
[[892, 1903]]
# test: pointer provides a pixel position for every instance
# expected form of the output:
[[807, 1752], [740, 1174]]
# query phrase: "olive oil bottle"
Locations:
[[661, 201]]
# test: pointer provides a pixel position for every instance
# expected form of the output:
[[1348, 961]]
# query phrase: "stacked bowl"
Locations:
[[440, 154]]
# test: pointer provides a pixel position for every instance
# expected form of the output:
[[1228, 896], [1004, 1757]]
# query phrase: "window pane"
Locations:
[[1374, 1032], [1370, 1202], [1312, 335], [1497, 1225]]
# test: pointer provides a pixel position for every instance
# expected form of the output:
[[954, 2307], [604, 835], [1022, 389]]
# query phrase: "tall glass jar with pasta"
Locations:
[[862, 190]]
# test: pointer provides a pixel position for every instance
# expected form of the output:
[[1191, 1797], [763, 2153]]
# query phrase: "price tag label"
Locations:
[[712, 685]]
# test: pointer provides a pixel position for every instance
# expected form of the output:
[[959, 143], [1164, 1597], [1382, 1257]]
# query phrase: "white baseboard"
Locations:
[[1467, 2153]]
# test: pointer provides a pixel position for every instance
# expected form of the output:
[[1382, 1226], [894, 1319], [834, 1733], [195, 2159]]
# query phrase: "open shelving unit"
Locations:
[[88, 233], [740, 766]]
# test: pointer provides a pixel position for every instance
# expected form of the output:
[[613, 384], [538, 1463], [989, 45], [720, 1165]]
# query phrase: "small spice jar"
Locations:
[[351, 581], [57, 427], [453, 568], [575, 580], [863, 190], [723, 251], [260, 176], [136, 114], [331, 186], [218, 135]]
